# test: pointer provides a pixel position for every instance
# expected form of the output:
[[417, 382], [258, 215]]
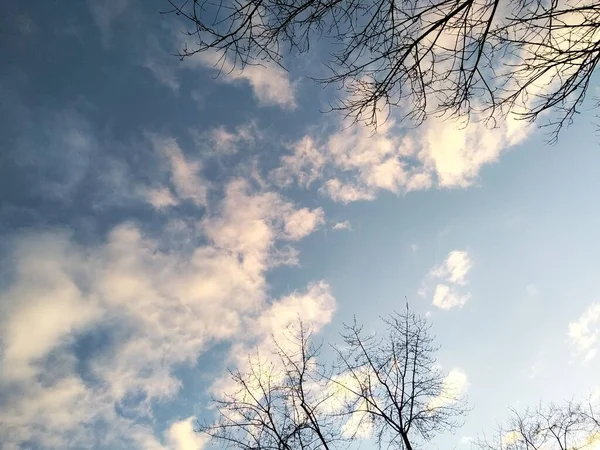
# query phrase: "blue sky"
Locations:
[[156, 223]]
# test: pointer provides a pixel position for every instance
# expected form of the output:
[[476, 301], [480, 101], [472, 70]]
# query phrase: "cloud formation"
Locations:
[[270, 84], [181, 436], [160, 308], [356, 163], [339, 226], [454, 388], [583, 333], [449, 278], [185, 175]]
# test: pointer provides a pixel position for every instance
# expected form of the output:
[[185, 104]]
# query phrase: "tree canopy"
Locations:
[[476, 59], [384, 386]]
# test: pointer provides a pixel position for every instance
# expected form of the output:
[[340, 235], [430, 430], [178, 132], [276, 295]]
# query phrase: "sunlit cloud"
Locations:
[[270, 84], [356, 163], [339, 226], [448, 280], [454, 387], [583, 333], [163, 309]]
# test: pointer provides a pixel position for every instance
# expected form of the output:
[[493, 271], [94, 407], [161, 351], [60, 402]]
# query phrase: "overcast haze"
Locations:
[[157, 222]]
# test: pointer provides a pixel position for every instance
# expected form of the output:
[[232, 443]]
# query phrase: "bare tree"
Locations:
[[278, 401], [387, 388], [569, 426], [395, 385], [480, 58]]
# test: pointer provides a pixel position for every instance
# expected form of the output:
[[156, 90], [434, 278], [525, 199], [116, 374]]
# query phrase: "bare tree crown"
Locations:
[[569, 426], [469, 58], [383, 387]]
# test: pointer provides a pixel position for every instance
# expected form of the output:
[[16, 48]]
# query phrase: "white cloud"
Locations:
[[449, 278], [185, 175], [446, 297], [591, 354], [155, 54], [456, 154], [220, 142], [271, 84], [163, 71], [47, 414], [345, 225], [373, 157], [163, 308], [510, 438], [304, 165], [346, 193], [455, 268], [226, 142], [583, 333], [314, 307], [52, 303], [359, 425], [302, 222], [454, 387], [439, 152], [181, 436], [249, 224], [161, 197]]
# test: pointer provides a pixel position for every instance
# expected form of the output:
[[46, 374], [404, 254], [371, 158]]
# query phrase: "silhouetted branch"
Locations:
[[471, 58], [387, 388], [570, 426]]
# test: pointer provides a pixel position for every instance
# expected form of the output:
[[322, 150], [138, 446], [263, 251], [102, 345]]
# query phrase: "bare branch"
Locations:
[[481, 59]]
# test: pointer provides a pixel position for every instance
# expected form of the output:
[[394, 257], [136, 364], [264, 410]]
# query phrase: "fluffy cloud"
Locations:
[[449, 278], [446, 297], [314, 307], [455, 268], [181, 436], [163, 72], [226, 142], [455, 386], [355, 163], [158, 308], [346, 192], [345, 225], [583, 333], [359, 425], [302, 222], [456, 154], [161, 197], [185, 175], [249, 224], [303, 165], [271, 84]]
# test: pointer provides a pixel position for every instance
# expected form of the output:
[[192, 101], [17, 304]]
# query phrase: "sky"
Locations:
[[157, 222]]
